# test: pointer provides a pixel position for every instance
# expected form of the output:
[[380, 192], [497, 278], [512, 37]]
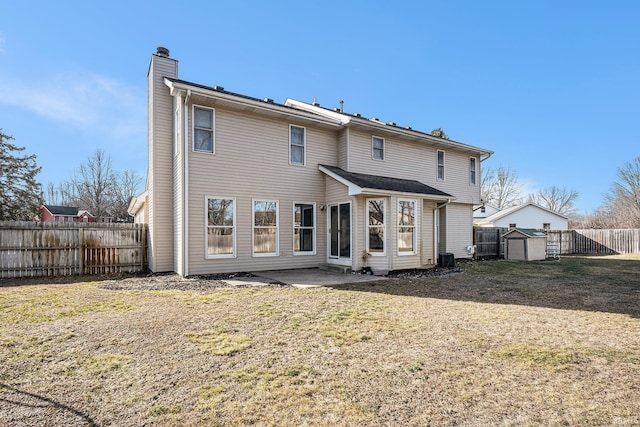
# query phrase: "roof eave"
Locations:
[[180, 87]]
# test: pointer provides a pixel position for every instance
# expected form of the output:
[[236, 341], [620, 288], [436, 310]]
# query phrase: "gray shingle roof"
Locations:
[[62, 210], [376, 182]]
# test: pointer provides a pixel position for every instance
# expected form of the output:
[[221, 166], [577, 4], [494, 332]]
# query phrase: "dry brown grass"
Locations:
[[504, 343]]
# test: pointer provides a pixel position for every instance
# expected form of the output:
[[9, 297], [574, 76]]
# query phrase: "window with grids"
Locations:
[[377, 148], [375, 225], [297, 145], [221, 222], [265, 227], [440, 158], [203, 124], [304, 228], [472, 170], [406, 227]]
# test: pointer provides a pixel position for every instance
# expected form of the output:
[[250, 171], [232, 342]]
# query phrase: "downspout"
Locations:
[[185, 180], [436, 228]]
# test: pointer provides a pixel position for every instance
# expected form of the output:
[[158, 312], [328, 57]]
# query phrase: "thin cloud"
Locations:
[[79, 99]]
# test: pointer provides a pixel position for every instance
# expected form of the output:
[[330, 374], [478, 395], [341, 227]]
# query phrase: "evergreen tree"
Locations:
[[20, 193]]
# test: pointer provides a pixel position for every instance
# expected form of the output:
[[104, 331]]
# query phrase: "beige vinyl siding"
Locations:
[[252, 162], [459, 230], [426, 241], [414, 160], [343, 149], [160, 180], [442, 230], [335, 191]]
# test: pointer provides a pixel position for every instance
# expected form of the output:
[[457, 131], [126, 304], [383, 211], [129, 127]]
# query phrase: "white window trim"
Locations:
[[193, 129], [253, 227], [304, 146], [443, 165], [475, 171], [313, 252], [384, 227], [206, 228], [384, 146], [415, 227]]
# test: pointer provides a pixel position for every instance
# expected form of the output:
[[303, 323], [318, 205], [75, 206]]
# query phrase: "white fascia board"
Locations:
[[378, 192], [179, 87], [354, 190], [342, 118]]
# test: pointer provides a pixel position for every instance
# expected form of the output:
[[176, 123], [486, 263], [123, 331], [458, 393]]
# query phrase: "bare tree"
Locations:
[[557, 199], [94, 185], [128, 185], [623, 200], [500, 187], [20, 193]]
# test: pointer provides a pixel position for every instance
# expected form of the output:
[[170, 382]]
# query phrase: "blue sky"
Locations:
[[552, 87]]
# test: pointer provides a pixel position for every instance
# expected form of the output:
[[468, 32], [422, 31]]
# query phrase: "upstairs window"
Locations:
[[304, 228], [406, 227], [377, 148], [375, 224], [203, 129], [297, 144], [265, 227], [440, 162], [221, 220], [472, 170]]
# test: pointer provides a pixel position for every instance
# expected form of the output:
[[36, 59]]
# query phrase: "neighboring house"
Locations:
[[482, 211], [528, 215], [238, 183], [50, 213], [138, 209]]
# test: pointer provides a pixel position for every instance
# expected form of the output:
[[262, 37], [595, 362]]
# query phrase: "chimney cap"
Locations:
[[162, 51]]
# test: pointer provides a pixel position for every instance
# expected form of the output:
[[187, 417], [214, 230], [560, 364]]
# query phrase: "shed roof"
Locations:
[[528, 232], [360, 183]]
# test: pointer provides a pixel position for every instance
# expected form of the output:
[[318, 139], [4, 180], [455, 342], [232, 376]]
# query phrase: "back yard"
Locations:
[[503, 343]]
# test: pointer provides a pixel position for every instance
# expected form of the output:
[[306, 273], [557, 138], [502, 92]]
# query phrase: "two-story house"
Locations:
[[238, 183]]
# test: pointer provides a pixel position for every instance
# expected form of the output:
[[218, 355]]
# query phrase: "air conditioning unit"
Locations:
[[446, 260]]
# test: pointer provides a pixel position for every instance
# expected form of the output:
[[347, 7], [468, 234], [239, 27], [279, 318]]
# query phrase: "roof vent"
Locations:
[[357, 114], [391, 123], [315, 102], [336, 109], [374, 119], [268, 100], [219, 88], [408, 127], [162, 51]]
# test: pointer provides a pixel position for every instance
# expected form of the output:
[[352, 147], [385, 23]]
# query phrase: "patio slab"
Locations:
[[314, 277]]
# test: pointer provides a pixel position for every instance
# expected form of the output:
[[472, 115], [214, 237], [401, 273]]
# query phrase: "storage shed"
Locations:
[[525, 244]]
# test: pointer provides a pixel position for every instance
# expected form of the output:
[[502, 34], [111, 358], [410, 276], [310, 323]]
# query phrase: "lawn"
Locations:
[[502, 343]]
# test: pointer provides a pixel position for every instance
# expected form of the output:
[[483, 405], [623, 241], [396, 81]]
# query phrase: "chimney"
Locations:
[[162, 51]]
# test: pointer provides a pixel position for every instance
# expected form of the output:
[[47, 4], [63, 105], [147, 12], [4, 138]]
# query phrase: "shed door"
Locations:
[[516, 249]]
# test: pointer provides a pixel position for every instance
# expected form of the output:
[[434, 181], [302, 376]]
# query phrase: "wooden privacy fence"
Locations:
[[595, 242], [52, 249], [489, 241]]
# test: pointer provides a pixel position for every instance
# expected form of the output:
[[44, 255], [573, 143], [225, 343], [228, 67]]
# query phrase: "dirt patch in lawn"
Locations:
[[498, 344]]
